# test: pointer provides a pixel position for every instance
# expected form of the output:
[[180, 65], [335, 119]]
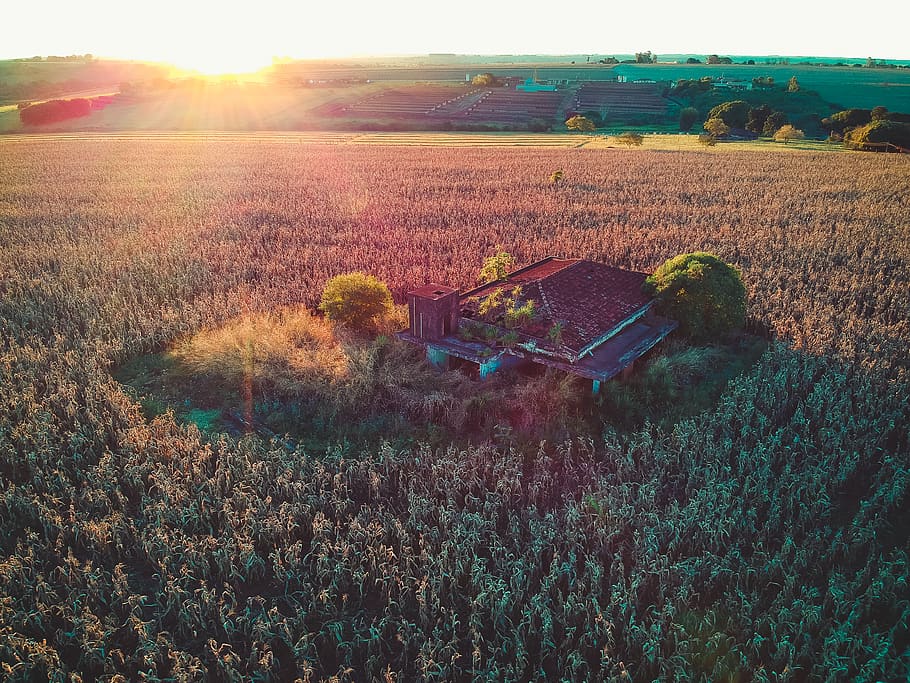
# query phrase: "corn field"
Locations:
[[765, 539]]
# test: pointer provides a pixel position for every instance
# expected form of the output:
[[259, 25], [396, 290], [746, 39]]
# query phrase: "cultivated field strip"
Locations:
[[410, 139]]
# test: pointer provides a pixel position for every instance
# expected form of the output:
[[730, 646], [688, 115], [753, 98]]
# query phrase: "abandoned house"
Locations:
[[579, 316]]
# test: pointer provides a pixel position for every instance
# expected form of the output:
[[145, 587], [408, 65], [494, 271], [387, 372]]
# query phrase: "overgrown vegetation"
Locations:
[[701, 292], [502, 262], [357, 300], [760, 538]]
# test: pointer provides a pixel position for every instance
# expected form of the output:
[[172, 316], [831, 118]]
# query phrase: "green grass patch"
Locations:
[[679, 382]]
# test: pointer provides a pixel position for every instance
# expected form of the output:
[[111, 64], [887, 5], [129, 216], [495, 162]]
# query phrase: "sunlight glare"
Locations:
[[209, 63]]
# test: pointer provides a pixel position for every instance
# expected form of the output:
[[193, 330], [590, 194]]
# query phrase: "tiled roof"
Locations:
[[589, 299]]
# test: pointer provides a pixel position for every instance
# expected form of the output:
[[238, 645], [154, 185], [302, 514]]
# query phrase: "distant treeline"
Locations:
[[29, 80], [848, 119], [87, 57]]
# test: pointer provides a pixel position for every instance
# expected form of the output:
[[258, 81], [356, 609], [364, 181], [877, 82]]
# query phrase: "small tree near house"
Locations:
[[701, 292], [356, 300]]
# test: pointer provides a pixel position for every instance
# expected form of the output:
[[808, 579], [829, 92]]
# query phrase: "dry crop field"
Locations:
[[764, 539]]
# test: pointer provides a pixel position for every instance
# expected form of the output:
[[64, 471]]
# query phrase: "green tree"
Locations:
[[757, 118], [793, 84], [556, 177], [356, 300], [580, 123], [716, 127], [630, 139], [496, 267], [734, 114], [687, 118], [879, 113], [773, 123], [846, 120], [701, 292], [787, 133]]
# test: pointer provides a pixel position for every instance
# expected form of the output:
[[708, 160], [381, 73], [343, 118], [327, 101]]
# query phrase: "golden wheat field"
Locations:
[[763, 538]]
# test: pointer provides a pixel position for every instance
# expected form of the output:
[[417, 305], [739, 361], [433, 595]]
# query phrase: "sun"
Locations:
[[213, 63]]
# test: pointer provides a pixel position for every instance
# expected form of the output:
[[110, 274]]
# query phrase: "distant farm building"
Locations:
[[732, 84], [530, 85], [579, 316], [534, 85]]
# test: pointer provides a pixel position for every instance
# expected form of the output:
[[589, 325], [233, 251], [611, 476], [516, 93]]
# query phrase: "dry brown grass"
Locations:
[[287, 349]]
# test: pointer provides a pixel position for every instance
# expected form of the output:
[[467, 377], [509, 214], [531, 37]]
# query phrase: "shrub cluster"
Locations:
[[55, 111], [705, 295]]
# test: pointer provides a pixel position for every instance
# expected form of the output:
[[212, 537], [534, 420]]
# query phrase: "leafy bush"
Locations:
[[517, 316], [630, 139], [773, 123], [54, 111], [356, 300], [705, 295], [485, 79]]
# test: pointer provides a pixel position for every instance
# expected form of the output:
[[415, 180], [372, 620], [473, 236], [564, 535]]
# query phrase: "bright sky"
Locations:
[[226, 36]]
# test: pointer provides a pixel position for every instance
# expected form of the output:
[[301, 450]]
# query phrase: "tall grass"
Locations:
[[287, 351]]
